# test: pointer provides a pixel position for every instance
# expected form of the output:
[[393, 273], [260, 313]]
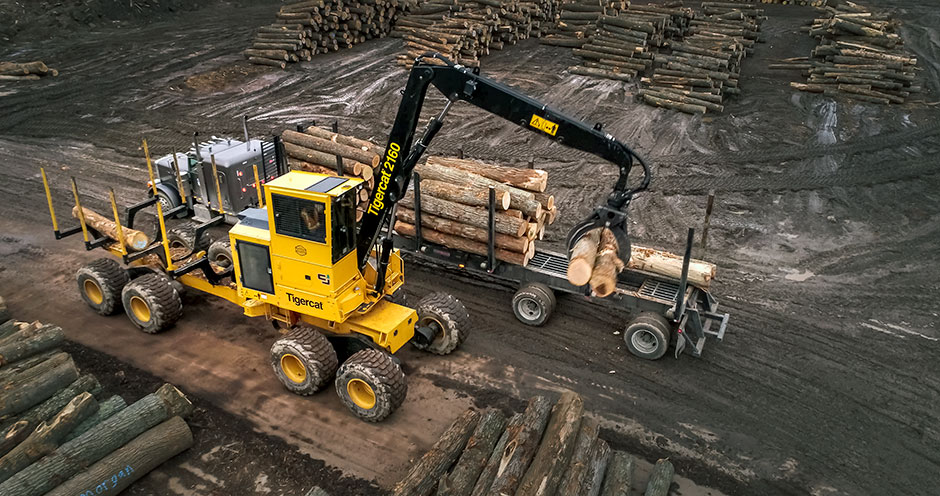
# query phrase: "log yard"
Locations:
[[469, 248]]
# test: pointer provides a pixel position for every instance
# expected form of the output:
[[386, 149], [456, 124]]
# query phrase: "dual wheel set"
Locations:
[[370, 383], [647, 336]]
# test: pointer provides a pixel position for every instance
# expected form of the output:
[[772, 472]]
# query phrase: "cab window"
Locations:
[[305, 219], [344, 225]]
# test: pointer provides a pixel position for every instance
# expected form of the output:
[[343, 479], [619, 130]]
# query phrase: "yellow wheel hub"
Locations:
[[361, 393], [140, 309], [293, 368], [93, 291]]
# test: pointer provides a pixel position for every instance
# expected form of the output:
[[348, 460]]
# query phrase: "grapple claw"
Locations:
[[613, 219]]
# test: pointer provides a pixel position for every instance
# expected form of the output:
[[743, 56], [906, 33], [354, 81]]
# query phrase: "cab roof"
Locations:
[[314, 182]]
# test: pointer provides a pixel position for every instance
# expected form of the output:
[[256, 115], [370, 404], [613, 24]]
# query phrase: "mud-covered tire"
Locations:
[[184, 236], [152, 303], [220, 253], [533, 304], [304, 361], [449, 314], [100, 283], [648, 336], [371, 385]]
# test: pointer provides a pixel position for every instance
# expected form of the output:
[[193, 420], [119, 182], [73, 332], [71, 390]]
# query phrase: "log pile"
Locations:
[[455, 201], [702, 69], [17, 71], [465, 30], [594, 260], [315, 149], [860, 56], [551, 448], [60, 435], [305, 28]]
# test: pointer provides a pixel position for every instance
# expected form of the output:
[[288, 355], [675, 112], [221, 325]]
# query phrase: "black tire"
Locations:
[[371, 385], [451, 319], [648, 336], [100, 283], [220, 253], [152, 303], [304, 361], [533, 304], [184, 236], [169, 201]]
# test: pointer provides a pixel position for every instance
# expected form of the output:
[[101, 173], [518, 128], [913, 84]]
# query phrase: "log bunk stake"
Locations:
[[860, 56], [550, 449], [60, 436], [305, 28]]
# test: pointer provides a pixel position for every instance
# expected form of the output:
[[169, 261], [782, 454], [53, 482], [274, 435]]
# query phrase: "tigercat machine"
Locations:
[[302, 260]]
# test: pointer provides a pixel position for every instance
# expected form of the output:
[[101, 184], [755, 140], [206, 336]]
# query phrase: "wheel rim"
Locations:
[[177, 244], [93, 291], [223, 260], [438, 327], [164, 203], [361, 393], [644, 341], [140, 309], [293, 368], [529, 309]]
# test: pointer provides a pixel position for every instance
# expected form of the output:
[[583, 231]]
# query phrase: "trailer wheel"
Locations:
[[220, 253], [533, 304], [648, 336], [152, 303], [184, 237], [100, 283], [448, 317], [371, 384], [303, 360]]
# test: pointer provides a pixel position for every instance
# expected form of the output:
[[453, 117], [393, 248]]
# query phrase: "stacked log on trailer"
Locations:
[[464, 31], [551, 448], [20, 71], [455, 207], [702, 69], [308, 27], [315, 149], [594, 260], [860, 56], [60, 435], [621, 45]]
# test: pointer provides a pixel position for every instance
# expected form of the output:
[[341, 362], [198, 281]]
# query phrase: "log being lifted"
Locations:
[[133, 239], [73, 456], [521, 447], [528, 179], [132, 461], [463, 244], [545, 472], [519, 199], [476, 217], [426, 473], [447, 226], [477, 197], [583, 255], [607, 265], [47, 437], [473, 460]]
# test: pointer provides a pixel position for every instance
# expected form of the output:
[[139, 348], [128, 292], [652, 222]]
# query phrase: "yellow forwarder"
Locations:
[[293, 261]]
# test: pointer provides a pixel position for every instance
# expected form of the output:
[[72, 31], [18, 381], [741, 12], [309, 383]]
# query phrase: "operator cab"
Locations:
[[299, 250]]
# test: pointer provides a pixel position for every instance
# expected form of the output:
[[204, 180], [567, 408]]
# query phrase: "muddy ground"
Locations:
[[825, 230]]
